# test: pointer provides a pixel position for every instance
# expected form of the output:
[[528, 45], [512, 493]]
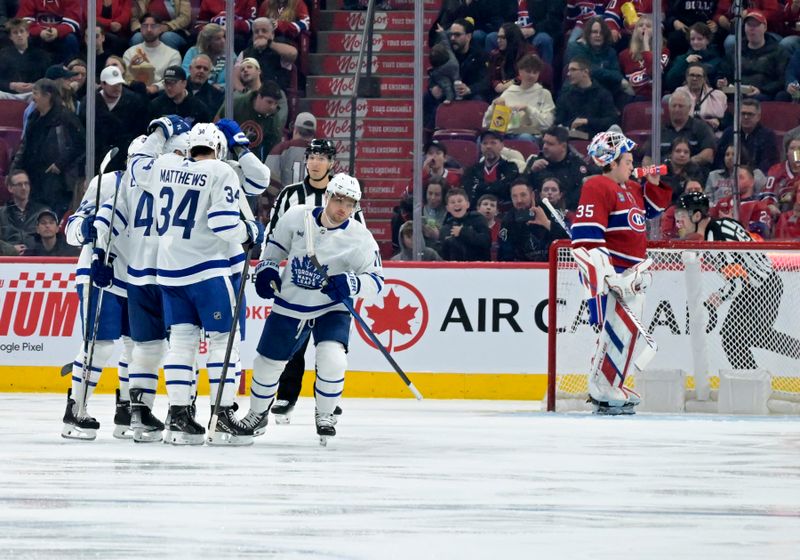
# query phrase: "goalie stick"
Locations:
[[309, 227]]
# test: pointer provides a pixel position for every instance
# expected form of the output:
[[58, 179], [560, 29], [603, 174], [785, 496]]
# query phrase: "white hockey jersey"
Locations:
[[254, 178], [120, 249], [347, 248]]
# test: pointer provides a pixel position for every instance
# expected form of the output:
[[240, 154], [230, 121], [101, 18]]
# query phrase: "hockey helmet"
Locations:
[[136, 144], [608, 146], [343, 184], [205, 135], [694, 202], [321, 146], [223, 144], [177, 143]]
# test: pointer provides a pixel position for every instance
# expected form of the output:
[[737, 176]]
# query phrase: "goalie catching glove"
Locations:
[[342, 286]]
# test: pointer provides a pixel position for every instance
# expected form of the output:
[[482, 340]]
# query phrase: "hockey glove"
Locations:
[[255, 232], [268, 279], [170, 125], [342, 286], [233, 134], [88, 231], [102, 274]]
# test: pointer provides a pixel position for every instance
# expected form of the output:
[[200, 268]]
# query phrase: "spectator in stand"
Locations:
[[756, 214], [621, 26], [552, 191], [464, 235], [489, 16], [287, 160], [444, 71], [681, 15], [51, 149], [406, 253], [584, 105], [759, 140], [578, 13], [790, 26], [259, 115], [275, 56], [130, 84], [49, 242], [492, 174], [783, 178], [792, 79], [596, 47], [527, 232], [21, 64], [532, 107], [18, 216], [120, 115], [487, 207], [541, 22], [669, 228], [725, 18], [102, 53], [291, 17], [176, 100], [701, 51], [211, 42], [199, 70], [788, 228], [449, 12], [511, 47], [7, 9], [637, 60], [433, 166], [700, 136], [114, 18], [173, 18], [244, 12], [708, 104], [249, 75], [681, 169], [147, 61], [77, 83], [54, 26], [763, 61], [557, 160], [720, 181]]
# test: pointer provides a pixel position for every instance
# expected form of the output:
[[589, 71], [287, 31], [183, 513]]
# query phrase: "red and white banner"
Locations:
[[365, 108], [342, 86], [335, 42], [396, 21]]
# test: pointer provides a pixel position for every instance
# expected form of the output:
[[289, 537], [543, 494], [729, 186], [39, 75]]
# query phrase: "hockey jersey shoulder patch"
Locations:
[[305, 275]]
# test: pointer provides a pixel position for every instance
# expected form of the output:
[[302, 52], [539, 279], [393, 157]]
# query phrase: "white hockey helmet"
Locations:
[[177, 143], [223, 143], [136, 144], [343, 184], [608, 146], [205, 135]]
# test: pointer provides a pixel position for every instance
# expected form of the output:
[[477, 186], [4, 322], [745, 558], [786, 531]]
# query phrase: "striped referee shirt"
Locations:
[[756, 265]]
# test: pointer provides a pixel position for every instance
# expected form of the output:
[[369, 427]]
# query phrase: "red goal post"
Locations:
[[688, 328]]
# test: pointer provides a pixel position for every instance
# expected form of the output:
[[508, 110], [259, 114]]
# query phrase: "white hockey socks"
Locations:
[[179, 363], [266, 375], [143, 369], [329, 384], [123, 368], [102, 354], [217, 343]]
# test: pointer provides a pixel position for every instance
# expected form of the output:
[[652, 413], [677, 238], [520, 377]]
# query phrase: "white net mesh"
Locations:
[[710, 307]]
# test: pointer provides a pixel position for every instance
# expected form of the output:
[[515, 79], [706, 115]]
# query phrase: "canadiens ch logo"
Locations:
[[400, 320], [636, 220]]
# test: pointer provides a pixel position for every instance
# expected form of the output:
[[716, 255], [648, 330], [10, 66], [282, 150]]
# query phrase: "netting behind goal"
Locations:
[[756, 327]]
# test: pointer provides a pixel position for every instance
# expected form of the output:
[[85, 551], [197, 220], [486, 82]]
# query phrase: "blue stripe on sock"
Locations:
[[327, 381], [179, 382], [80, 365], [263, 385], [327, 394], [256, 395], [143, 376]]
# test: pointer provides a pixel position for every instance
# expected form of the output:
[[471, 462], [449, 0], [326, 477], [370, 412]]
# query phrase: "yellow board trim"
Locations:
[[359, 384]]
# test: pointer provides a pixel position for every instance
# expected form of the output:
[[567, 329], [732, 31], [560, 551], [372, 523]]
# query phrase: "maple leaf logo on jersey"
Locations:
[[305, 275], [400, 321]]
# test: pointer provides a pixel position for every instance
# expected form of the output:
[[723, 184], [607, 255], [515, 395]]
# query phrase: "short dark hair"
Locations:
[[530, 63], [152, 16], [14, 173], [581, 61], [520, 180], [701, 29], [491, 197], [465, 23], [456, 191], [439, 55], [750, 170], [697, 64], [752, 102], [270, 89], [559, 132]]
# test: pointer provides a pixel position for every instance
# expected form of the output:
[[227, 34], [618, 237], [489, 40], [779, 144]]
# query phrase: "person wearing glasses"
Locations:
[[759, 140], [709, 103]]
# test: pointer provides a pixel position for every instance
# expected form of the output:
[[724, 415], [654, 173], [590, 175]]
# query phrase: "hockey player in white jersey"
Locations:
[[113, 321], [196, 216], [306, 301]]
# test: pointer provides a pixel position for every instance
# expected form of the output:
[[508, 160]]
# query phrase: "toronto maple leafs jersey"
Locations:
[[253, 177], [349, 247], [196, 217], [120, 249]]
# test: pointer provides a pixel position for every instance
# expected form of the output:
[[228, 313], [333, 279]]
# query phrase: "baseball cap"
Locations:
[[252, 61], [435, 144], [46, 212], [112, 76], [174, 73], [488, 132], [56, 71], [305, 121], [757, 15]]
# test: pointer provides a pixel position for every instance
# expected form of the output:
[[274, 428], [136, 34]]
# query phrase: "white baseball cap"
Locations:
[[112, 76]]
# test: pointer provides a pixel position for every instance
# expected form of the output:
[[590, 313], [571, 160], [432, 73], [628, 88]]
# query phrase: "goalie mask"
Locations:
[[608, 146]]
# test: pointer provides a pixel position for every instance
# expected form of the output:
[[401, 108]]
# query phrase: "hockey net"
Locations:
[[678, 308]]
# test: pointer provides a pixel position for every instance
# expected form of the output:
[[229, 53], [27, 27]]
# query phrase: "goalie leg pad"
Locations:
[[329, 384], [595, 267], [179, 363]]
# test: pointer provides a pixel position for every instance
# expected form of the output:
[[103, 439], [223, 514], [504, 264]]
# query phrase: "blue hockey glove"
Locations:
[[233, 134], [102, 274], [88, 231], [268, 279], [255, 231], [342, 286], [169, 125]]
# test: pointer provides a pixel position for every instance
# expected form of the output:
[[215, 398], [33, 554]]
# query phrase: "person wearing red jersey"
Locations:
[[609, 243], [619, 23], [789, 222], [636, 61], [244, 12], [54, 26], [783, 178]]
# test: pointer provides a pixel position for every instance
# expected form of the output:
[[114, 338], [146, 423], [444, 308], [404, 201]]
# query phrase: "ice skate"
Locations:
[[229, 430], [282, 410], [192, 413], [122, 419], [84, 428], [183, 429], [257, 421], [146, 427], [325, 427]]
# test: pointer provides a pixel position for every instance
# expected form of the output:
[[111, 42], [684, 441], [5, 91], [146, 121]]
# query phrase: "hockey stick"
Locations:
[[247, 214], [309, 227], [87, 355]]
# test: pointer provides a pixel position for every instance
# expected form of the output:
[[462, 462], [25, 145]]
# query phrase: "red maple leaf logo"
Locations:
[[391, 317]]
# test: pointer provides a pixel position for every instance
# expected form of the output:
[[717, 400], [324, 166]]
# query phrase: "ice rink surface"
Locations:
[[402, 479]]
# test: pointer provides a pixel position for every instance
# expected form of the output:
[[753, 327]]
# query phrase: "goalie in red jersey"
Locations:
[[609, 243]]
